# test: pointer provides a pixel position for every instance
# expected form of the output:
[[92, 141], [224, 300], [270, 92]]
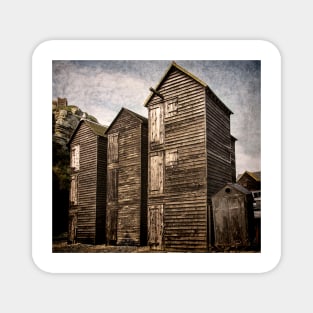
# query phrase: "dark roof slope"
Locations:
[[96, 128]]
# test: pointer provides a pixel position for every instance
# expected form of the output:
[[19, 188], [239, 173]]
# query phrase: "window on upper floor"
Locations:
[[171, 157], [171, 107]]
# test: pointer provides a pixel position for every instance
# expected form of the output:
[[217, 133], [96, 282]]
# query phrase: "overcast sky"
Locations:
[[101, 88]]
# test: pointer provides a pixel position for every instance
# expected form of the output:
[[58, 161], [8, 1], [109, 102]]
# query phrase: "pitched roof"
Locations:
[[183, 70], [96, 128], [240, 188], [236, 186], [142, 119], [255, 175]]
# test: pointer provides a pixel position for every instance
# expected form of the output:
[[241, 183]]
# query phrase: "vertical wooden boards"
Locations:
[[73, 190], [221, 222], [155, 226], [113, 148], [72, 229], [233, 223], [156, 173], [156, 126], [111, 225], [112, 185], [75, 157]]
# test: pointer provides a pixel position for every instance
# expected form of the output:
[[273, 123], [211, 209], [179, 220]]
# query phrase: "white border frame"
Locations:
[[156, 262]]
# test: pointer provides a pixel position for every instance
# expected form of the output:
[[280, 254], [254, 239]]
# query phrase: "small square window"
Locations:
[[171, 157], [171, 107]]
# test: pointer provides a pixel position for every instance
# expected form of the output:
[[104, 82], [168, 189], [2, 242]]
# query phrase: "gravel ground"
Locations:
[[63, 247]]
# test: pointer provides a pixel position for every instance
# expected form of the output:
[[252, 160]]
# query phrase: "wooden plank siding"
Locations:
[[91, 184], [127, 179], [183, 194], [192, 147], [101, 190], [219, 154]]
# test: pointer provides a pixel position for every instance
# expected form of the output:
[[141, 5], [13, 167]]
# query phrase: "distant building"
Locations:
[[251, 181], [60, 102]]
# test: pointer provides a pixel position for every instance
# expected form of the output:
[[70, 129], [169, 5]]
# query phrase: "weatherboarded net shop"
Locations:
[[190, 157], [127, 179]]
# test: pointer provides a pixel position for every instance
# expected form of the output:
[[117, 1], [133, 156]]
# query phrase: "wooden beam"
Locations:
[[156, 92]]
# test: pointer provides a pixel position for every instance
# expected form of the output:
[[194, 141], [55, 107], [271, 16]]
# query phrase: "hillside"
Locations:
[[64, 121]]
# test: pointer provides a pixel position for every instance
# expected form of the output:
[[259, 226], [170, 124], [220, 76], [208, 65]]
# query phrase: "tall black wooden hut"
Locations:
[[191, 156], [88, 153], [127, 179]]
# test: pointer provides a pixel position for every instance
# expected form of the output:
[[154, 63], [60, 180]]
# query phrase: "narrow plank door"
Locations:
[[155, 226], [112, 227]]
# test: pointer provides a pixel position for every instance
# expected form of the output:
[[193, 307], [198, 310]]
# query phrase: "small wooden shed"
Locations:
[[127, 179], [233, 217], [88, 162]]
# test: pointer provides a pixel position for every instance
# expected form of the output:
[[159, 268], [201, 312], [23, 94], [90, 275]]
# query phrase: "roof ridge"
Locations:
[[141, 118], [197, 79]]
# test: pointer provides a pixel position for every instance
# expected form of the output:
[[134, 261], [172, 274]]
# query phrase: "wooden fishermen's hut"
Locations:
[[88, 153], [233, 217], [127, 179], [191, 156]]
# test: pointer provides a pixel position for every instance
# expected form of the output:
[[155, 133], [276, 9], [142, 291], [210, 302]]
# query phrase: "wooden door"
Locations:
[[156, 125], [156, 173], [72, 229], [238, 236], [155, 226], [112, 227], [221, 222]]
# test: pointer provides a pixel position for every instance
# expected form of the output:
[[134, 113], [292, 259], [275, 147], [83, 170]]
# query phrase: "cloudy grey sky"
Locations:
[[101, 88]]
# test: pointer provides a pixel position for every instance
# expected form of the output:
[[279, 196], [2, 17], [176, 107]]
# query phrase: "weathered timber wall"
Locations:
[[219, 153], [181, 153], [91, 185], [101, 190], [86, 184], [144, 183], [127, 207]]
